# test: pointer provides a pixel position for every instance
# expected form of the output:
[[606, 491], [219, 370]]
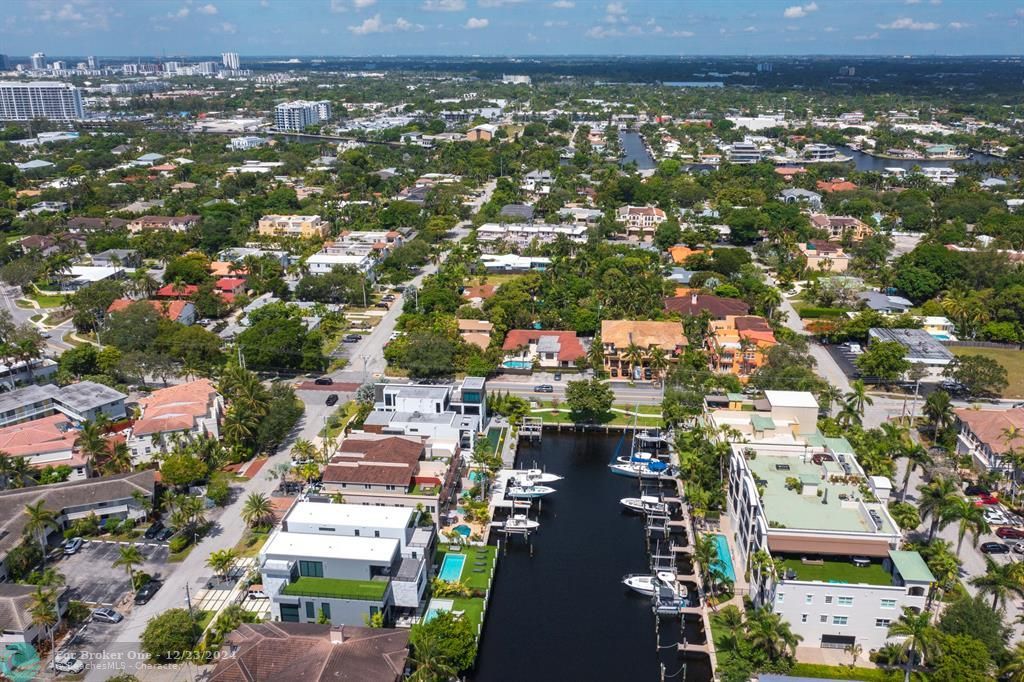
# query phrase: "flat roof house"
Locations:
[[922, 348], [161, 222], [347, 562], [82, 401]]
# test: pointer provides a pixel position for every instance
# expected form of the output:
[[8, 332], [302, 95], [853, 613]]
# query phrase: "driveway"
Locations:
[[93, 579]]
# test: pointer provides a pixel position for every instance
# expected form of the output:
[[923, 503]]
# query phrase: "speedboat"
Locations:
[[528, 492], [655, 469], [662, 582], [517, 523], [535, 476], [645, 504]]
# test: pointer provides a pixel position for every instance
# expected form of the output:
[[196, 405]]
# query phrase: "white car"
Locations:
[[995, 516], [1018, 547], [67, 663]]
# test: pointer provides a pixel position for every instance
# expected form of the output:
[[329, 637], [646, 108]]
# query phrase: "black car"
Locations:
[[351, 338], [994, 548], [324, 381], [383, 305], [973, 490], [332, 399], [147, 591], [153, 531], [165, 535], [544, 388]]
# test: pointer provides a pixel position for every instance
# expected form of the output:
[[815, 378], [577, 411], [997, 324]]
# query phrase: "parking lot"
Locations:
[[92, 577]]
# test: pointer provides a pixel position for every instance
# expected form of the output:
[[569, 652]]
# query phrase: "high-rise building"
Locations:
[[59, 65], [171, 68], [207, 68], [300, 113], [38, 61], [5, 63], [129, 69], [92, 62], [40, 99], [230, 60]]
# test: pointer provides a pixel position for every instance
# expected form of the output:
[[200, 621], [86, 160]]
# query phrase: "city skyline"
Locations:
[[511, 28]]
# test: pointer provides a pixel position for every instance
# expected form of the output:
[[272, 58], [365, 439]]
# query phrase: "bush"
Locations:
[[178, 543], [168, 637], [843, 672], [140, 578], [112, 526], [218, 490]]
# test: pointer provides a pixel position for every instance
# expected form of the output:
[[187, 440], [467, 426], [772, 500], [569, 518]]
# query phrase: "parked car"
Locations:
[[256, 592], [994, 548], [382, 304], [351, 338], [165, 535], [993, 515], [1018, 547], [986, 500], [67, 663], [73, 545], [558, 376], [332, 400], [544, 388], [147, 591], [1008, 533], [153, 530], [106, 615], [324, 381], [975, 489]]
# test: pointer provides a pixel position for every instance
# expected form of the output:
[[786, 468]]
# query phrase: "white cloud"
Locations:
[[498, 3], [957, 25], [85, 15], [338, 7], [180, 14], [226, 27], [563, 4], [474, 23], [444, 5], [830, 29], [750, 29], [934, 2], [682, 34], [264, 3], [360, 4], [374, 24], [208, 9], [869, 36], [1020, 12], [911, 2], [555, 24], [800, 11], [615, 8], [908, 24], [600, 32]]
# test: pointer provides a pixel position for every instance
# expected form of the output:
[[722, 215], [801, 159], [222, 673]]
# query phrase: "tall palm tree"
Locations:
[[120, 460], [91, 443], [221, 560], [44, 610], [730, 619], [830, 396], [916, 456], [634, 355], [1001, 581], [936, 499], [919, 637], [40, 521], [1013, 671], [705, 553], [129, 557], [658, 361], [1007, 436], [767, 632], [429, 657], [938, 408], [303, 450], [968, 517], [257, 509], [848, 415], [858, 397], [595, 354]]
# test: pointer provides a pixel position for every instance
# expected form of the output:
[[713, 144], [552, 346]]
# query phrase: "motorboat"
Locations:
[[517, 523], [645, 504], [641, 456], [534, 476], [661, 583], [650, 469], [653, 438], [528, 492]]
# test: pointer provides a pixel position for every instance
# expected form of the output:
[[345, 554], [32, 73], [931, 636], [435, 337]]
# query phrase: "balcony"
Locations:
[[337, 588]]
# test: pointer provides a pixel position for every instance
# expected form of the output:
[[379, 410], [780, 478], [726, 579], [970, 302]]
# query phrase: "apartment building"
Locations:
[[739, 344], [377, 468], [81, 402], [521, 235], [619, 336], [360, 250], [842, 226], [693, 303], [304, 226], [188, 411], [298, 115], [983, 434], [182, 223], [49, 441], [347, 563], [53, 100], [245, 142], [743, 153], [641, 221]]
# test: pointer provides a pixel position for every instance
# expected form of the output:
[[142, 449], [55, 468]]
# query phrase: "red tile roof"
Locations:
[[392, 460], [836, 186], [172, 310], [229, 283], [719, 306], [569, 347], [175, 408], [176, 291]]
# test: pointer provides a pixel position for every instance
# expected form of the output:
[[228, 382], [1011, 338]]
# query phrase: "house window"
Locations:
[[290, 613], [888, 603], [367, 486], [803, 617], [840, 620], [325, 608], [310, 610], [823, 618], [845, 601], [311, 569], [808, 598], [356, 532], [882, 622], [828, 599], [389, 487], [780, 597], [376, 533]]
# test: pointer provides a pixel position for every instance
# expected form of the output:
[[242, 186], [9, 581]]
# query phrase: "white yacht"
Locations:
[[650, 468], [528, 492], [659, 583], [534, 476], [645, 504], [517, 523]]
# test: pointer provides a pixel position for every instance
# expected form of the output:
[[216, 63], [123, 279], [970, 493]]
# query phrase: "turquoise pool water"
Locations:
[[451, 567], [463, 530], [437, 606], [724, 562], [518, 364]]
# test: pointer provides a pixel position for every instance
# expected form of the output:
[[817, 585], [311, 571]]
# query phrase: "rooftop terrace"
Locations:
[[837, 571], [337, 588]]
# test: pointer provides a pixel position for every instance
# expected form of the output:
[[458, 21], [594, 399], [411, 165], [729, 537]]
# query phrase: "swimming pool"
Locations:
[[518, 364], [437, 606], [723, 564], [941, 337], [451, 567], [463, 530]]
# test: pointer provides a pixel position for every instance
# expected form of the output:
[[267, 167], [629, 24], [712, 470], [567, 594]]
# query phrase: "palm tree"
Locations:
[[936, 499], [938, 408], [221, 560], [40, 521], [855, 651], [303, 450], [705, 553], [858, 397], [730, 619], [129, 557], [1002, 581], [658, 361], [1013, 671], [120, 460], [595, 354], [919, 637], [634, 355], [767, 632], [916, 456], [257, 509], [91, 443], [830, 396], [848, 415], [1009, 435], [44, 611], [968, 516], [429, 658]]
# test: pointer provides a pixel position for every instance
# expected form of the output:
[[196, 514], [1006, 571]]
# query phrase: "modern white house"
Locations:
[[443, 412], [523, 234], [346, 563]]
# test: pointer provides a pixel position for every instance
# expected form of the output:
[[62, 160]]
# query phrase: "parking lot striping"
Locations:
[[121, 542]]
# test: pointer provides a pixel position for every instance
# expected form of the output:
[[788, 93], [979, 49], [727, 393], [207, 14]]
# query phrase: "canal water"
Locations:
[[634, 149], [562, 612], [865, 162]]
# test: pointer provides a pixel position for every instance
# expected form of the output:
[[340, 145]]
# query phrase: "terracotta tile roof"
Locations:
[[171, 310], [391, 460], [755, 328], [175, 291], [836, 186], [222, 268], [175, 408], [229, 283], [474, 326], [680, 253], [39, 436], [478, 339], [620, 333], [719, 306], [988, 426], [308, 652], [569, 347]]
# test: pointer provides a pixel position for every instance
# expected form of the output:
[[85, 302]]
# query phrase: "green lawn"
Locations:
[[474, 610], [839, 571], [1011, 360], [305, 586], [336, 422], [490, 279], [47, 301], [251, 543], [476, 581]]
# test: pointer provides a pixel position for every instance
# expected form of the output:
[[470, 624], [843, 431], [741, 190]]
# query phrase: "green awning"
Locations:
[[911, 567], [762, 423], [735, 397]]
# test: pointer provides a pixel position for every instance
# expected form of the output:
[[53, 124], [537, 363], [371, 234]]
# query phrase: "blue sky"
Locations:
[[511, 27]]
